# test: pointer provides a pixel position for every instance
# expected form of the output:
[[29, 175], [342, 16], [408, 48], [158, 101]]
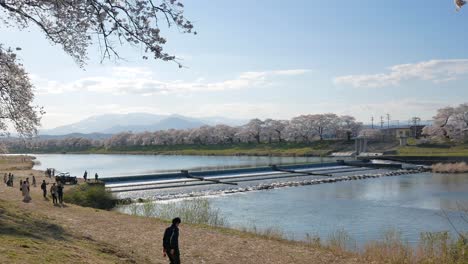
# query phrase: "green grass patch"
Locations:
[[316, 148], [90, 195], [434, 150], [196, 211]]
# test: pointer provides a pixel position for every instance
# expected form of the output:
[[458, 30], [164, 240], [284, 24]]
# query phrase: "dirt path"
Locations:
[[140, 237]]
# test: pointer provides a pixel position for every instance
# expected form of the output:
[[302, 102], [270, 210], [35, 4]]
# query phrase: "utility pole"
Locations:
[[372, 121], [415, 120], [381, 122], [388, 120]]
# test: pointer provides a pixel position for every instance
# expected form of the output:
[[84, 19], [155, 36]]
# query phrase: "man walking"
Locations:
[[171, 242]]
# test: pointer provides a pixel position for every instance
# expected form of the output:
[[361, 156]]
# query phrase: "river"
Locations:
[[108, 165], [365, 209]]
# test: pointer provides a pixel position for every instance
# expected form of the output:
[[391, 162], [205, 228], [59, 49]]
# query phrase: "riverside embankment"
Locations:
[[38, 232]]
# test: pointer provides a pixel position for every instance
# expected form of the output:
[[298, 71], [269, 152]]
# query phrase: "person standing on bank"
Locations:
[[25, 191], [44, 189], [53, 192], [85, 176], [96, 176], [171, 242], [60, 192]]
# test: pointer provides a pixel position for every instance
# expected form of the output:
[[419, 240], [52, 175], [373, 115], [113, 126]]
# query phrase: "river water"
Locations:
[[108, 165], [365, 209]]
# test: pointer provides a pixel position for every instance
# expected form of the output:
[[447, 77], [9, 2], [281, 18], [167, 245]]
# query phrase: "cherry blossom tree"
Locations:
[[76, 25], [254, 128], [348, 127], [16, 97], [275, 129], [450, 124], [304, 128]]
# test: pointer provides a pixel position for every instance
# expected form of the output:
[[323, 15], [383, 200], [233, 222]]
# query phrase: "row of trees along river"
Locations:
[[300, 129], [450, 125]]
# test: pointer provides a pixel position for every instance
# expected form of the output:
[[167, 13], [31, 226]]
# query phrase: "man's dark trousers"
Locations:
[[174, 259]]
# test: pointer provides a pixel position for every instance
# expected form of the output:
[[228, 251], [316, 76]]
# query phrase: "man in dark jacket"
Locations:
[[171, 242], [60, 192], [44, 189]]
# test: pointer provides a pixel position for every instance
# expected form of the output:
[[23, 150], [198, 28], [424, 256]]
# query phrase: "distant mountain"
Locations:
[[164, 124], [77, 135], [135, 122]]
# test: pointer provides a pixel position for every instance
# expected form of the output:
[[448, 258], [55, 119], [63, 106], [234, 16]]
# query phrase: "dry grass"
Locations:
[[99, 236], [33, 238], [38, 232], [16, 162], [459, 167]]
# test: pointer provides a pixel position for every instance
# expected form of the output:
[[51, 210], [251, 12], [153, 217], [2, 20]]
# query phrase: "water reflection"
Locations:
[[113, 165], [365, 208]]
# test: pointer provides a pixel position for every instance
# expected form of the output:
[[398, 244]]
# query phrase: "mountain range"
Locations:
[[135, 122]]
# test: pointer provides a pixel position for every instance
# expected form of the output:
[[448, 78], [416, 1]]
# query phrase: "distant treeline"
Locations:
[[301, 129]]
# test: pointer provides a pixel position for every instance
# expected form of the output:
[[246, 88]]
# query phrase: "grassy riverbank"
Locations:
[[38, 232], [434, 150], [316, 148]]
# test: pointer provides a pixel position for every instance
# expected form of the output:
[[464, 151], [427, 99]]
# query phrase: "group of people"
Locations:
[[56, 191], [50, 172], [8, 179], [85, 176]]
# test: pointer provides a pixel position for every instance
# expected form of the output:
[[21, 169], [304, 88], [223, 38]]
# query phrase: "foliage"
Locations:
[[90, 195], [459, 167], [340, 240], [317, 148], [450, 124], [304, 130], [75, 25], [16, 96], [434, 150], [196, 211]]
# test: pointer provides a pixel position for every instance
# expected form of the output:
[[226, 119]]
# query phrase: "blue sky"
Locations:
[[273, 59]]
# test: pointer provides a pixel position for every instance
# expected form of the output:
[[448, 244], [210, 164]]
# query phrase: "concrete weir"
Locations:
[[175, 185], [277, 185]]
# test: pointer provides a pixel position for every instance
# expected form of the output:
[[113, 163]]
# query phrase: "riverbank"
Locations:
[[38, 232], [431, 150], [316, 148]]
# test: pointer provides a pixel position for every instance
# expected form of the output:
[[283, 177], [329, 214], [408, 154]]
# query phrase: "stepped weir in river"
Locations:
[[186, 184]]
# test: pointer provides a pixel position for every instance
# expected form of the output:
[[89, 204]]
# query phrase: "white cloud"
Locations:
[[433, 70], [127, 80]]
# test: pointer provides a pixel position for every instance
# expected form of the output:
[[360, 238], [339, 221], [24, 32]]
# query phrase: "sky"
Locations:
[[268, 59]]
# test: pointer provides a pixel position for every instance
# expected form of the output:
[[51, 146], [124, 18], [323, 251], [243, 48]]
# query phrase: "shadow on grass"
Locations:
[[22, 224]]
